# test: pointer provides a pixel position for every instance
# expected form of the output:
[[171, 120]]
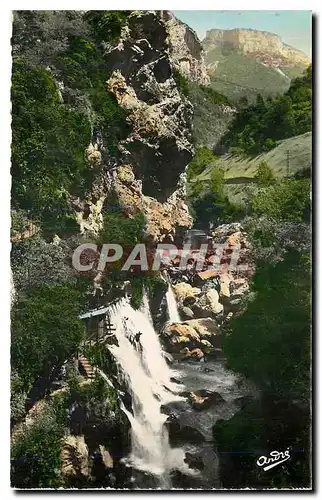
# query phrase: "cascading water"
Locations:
[[174, 316], [148, 379]]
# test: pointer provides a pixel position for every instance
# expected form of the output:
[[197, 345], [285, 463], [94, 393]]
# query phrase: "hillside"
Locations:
[[298, 148], [290, 156], [212, 114]]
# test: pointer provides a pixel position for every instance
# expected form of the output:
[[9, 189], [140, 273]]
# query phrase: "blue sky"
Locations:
[[294, 26]]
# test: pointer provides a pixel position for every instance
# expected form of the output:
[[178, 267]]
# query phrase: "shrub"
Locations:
[[181, 82], [119, 229]]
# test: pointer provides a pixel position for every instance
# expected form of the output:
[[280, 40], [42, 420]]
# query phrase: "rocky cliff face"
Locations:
[[261, 45], [159, 144]]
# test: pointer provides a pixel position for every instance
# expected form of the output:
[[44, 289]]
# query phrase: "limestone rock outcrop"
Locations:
[[148, 174], [260, 45]]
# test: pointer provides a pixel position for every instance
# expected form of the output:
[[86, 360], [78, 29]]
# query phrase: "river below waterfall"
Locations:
[[158, 392]]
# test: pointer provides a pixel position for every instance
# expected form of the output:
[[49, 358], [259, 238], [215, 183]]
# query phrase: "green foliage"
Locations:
[[48, 143], [98, 355], [35, 455], [182, 82], [208, 202], [19, 222], [18, 397], [35, 263], [83, 67], [51, 128], [45, 331], [107, 24], [121, 230], [263, 426], [288, 200], [202, 158], [272, 239], [90, 394], [270, 341], [258, 128], [264, 175], [217, 181]]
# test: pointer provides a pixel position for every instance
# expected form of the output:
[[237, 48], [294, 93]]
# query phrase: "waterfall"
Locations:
[[174, 316], [148, 379]]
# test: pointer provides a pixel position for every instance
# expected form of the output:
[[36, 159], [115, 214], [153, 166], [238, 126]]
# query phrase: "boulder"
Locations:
[[224, 293], [106, 457], [195, 354], [212, 298], [194, 461], [182, 330], [206, 344], [204, 276], [184, 290], [207, 329], [74, 457]]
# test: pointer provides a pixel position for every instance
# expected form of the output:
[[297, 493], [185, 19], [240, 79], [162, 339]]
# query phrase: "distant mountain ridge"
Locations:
[[242, 63], [262, 46]]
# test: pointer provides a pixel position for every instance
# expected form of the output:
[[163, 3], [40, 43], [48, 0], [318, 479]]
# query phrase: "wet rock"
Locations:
[[175, 380], [195, 354], [200, 311], [191, 435], [173, 425], [186, 312], [194, 460], [189, 301], [203, 399], [74, 458]]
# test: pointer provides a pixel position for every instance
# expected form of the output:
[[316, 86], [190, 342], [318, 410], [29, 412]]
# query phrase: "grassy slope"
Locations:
[[239, 171], [244, 71]]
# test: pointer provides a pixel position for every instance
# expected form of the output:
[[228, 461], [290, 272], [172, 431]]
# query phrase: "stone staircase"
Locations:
[[88, 369]]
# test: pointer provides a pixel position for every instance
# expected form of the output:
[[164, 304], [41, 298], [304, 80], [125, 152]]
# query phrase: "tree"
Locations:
[[217, 181], [264, 175], [45, 331]]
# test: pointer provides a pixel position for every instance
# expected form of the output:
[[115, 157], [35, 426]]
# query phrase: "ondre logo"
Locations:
[[275, 458], [207, 257]]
